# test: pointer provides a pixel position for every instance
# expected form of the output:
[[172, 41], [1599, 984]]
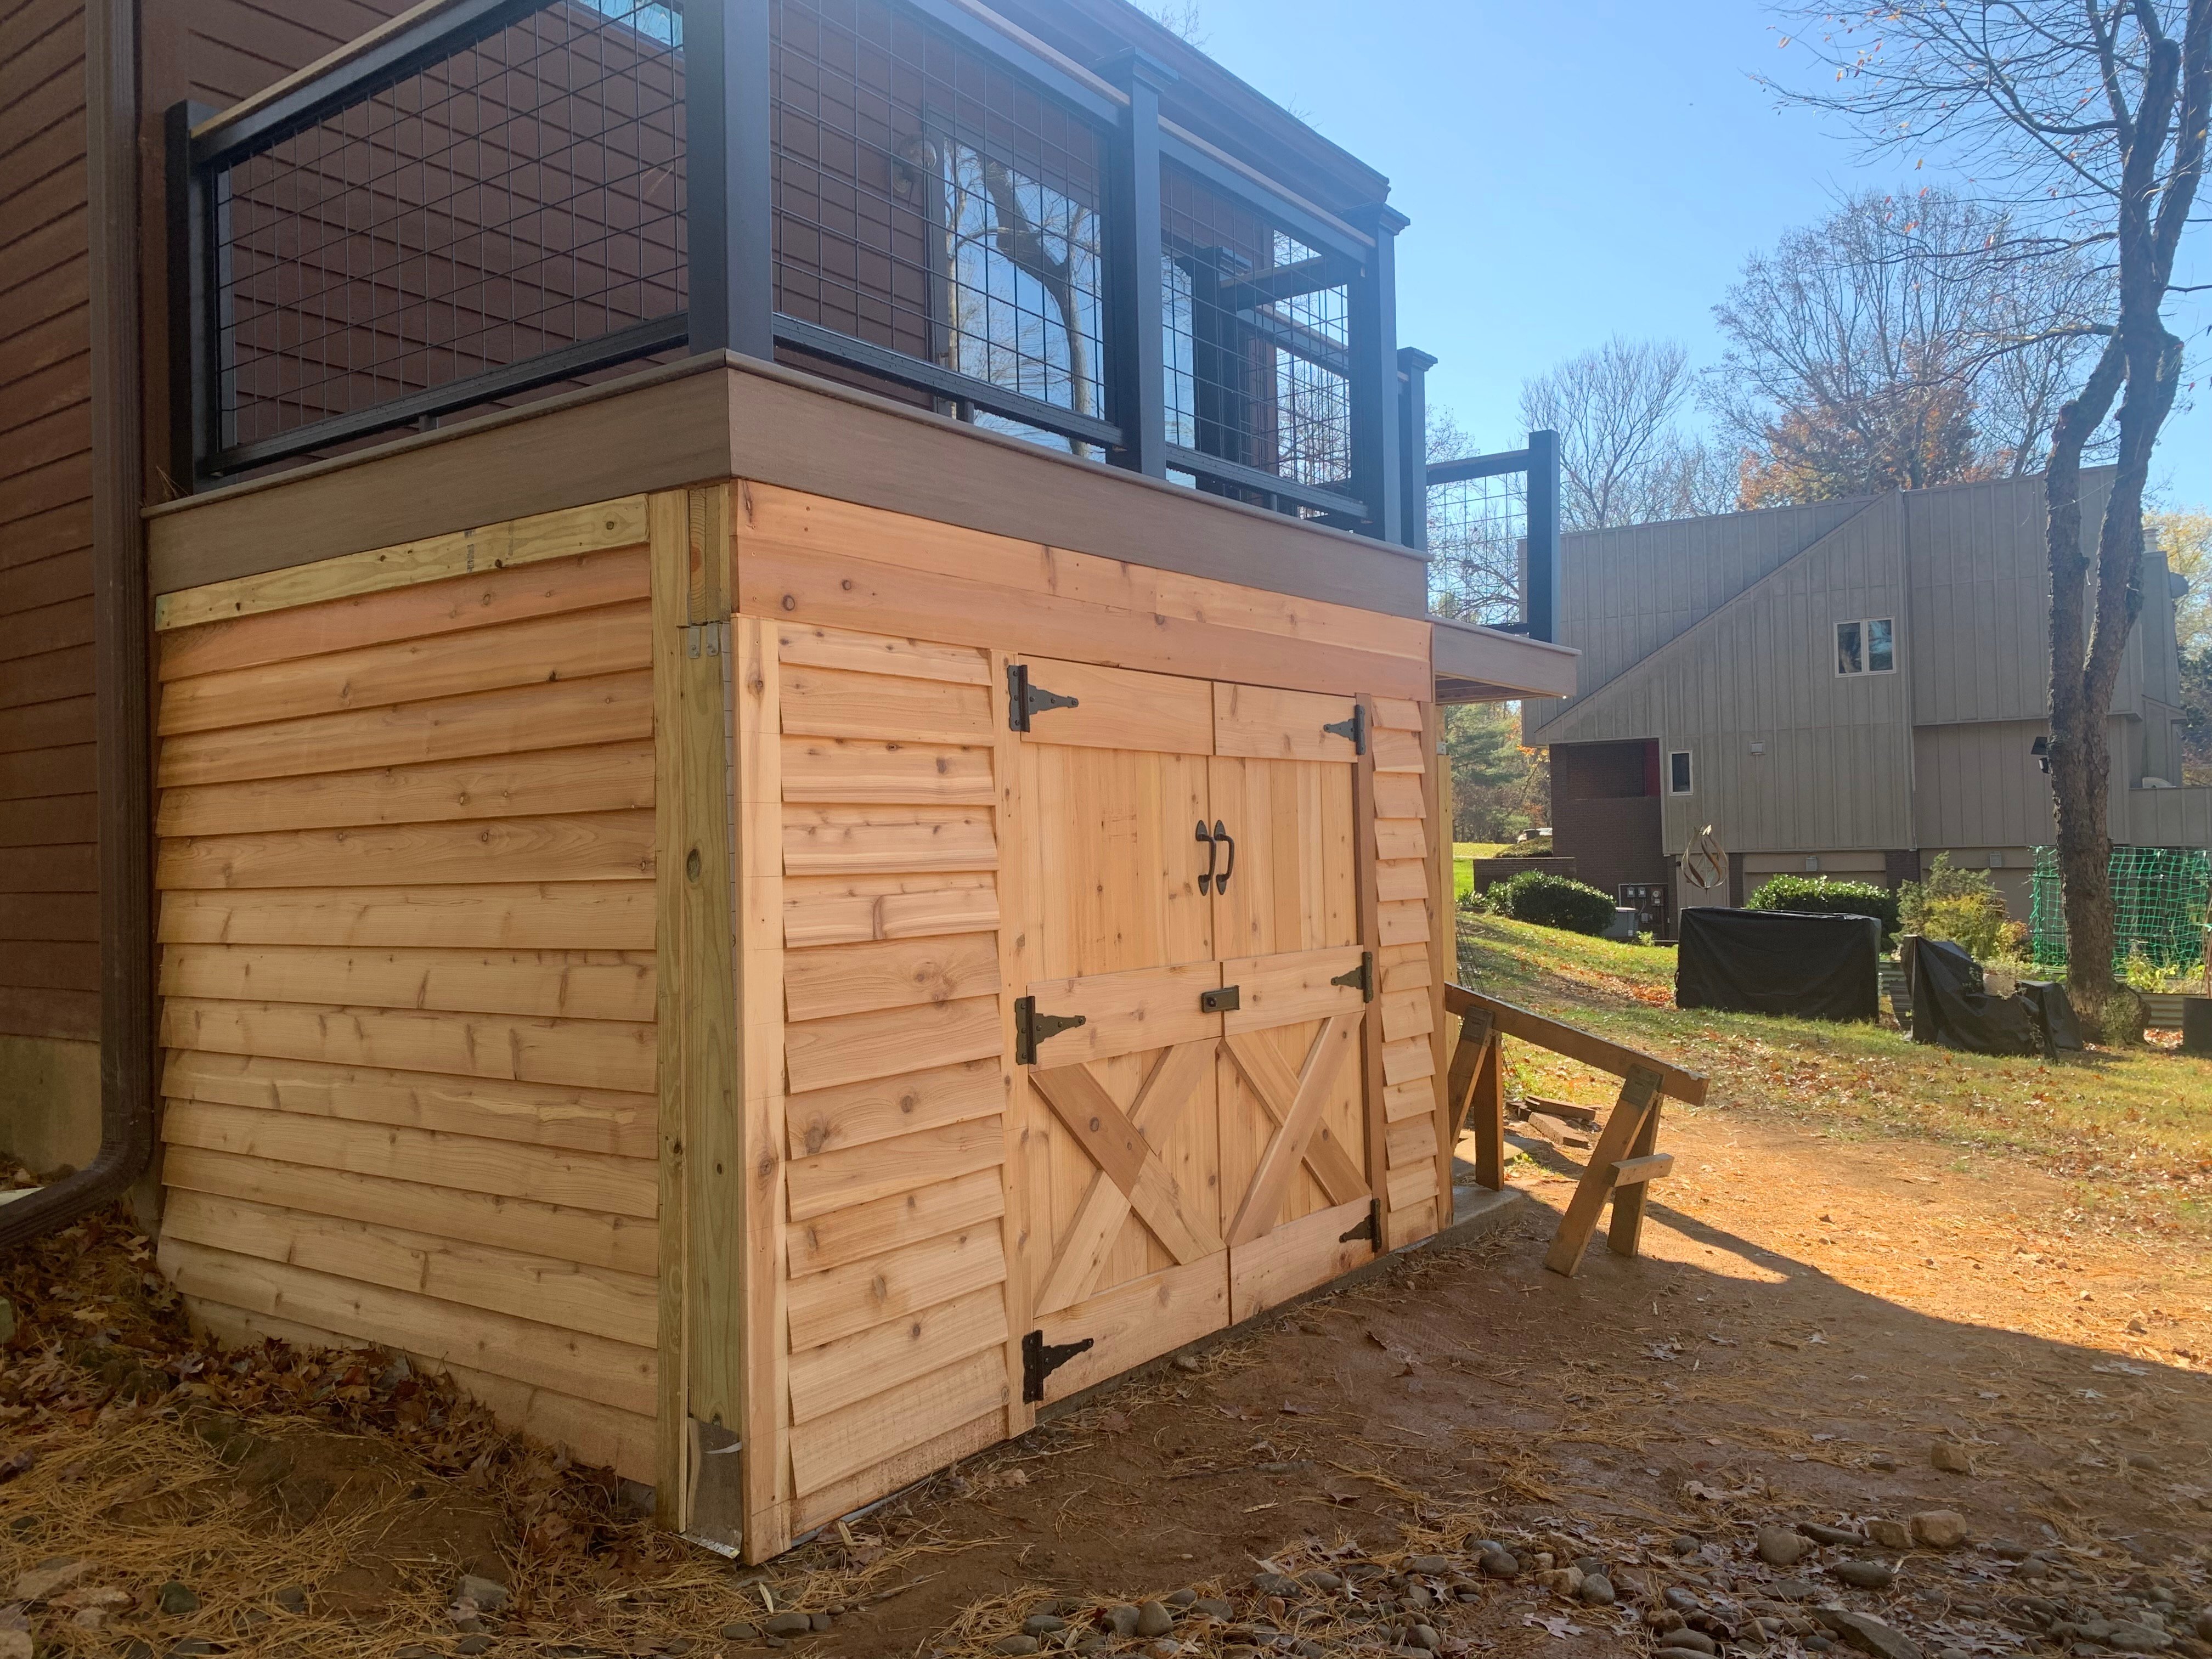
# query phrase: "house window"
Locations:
[[1867, 646], [1678, 772]]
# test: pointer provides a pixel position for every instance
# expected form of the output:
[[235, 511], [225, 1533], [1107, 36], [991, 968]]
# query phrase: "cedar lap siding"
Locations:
[[616, 941]]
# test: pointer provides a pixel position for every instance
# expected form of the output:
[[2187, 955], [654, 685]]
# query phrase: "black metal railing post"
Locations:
[[1374, 391], [729, 177], [1539, 602], [1414, 366], [1136, 349], [191, 341]]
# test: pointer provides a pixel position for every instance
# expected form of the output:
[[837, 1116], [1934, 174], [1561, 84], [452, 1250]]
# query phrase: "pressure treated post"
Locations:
[[701, 1221]]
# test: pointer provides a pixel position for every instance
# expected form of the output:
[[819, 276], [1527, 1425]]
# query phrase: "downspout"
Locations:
[[120, 653]]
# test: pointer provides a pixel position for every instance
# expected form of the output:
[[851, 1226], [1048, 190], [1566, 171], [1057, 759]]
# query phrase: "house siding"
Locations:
[[1936, 755], [1629, 592], [49, 899], [1834, 769]]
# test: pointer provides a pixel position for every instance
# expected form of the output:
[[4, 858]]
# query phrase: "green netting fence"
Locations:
[[2158, 896]]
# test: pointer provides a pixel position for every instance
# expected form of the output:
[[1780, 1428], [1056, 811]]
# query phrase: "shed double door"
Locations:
[[1193, 1146]]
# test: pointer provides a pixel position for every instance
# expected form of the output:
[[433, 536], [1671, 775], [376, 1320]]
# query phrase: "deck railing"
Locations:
[[492, 197]]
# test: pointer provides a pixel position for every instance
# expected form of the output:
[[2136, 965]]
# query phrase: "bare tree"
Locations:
[[1621, 458], [1899, 343], [2090, 117]]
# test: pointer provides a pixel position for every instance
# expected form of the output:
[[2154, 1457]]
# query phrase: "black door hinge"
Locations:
[[1371, 1229], [1360, 979], [1041, 1358], [1355, 728], [1031, 1027], [1025, 700], [1226, 1001]]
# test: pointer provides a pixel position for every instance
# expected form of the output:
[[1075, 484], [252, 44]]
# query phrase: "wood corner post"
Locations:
[[701, 1380]]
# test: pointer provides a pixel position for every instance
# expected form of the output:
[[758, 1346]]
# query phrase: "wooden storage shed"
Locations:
[[730, 967], [856, 849]]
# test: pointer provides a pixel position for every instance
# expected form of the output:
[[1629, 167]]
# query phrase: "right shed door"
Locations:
[[1291, 1104]]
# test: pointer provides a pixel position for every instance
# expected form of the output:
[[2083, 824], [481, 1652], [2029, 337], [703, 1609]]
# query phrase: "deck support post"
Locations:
[[1135, 341], [729, 187], [1414, 366], [1374, 326], [1540, 599]]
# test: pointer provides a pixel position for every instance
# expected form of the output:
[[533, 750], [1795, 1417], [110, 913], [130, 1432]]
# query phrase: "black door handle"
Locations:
[[1206, 881], [1221, 834]]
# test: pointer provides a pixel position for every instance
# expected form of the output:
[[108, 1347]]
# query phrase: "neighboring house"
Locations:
[[1848, 688]]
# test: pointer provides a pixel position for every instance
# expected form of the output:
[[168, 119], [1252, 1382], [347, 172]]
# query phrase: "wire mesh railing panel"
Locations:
[[1258, 340], [521, 197], [1477, 547], [932, 203]]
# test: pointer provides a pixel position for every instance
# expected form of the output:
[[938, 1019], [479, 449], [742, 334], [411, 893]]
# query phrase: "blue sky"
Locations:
[[1577, 170]]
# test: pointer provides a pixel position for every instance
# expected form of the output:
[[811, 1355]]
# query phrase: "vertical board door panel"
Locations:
[[1113, 861], [1290, 883]]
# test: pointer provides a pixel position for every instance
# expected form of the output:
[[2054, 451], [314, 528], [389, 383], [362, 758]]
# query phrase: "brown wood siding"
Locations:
[[49, 904]]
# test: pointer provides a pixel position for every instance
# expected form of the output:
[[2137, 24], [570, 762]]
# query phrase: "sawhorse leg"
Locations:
[[1639, 1104]]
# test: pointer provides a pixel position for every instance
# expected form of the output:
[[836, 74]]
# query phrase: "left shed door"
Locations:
[[1121, 1135]]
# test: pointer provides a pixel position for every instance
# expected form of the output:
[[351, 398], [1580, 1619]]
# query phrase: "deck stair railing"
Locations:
[[1625, 1158], [485, 198]]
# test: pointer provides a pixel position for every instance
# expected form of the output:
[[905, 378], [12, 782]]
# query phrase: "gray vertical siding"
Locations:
[[1981, 586], [1979, 785], [1626, 592]]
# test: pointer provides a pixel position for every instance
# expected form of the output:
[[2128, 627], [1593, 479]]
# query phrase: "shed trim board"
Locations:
[[707, 1099]]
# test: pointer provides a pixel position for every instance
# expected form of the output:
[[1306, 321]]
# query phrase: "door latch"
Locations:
[[1360, 979], [1025, 701], [1355, 728], [1041, 1358], [1031, 1027], [1226, 1001], [1371, 1229]]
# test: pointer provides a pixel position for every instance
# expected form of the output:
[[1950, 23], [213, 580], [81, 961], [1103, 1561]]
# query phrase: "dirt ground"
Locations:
[[1810, 1319]]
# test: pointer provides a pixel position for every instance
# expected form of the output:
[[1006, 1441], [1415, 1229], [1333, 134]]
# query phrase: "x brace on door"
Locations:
[[1131, 1175]]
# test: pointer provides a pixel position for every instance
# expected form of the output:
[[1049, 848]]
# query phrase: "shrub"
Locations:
[[1821, 896], [1536, 847], [1963, 906], [1552, 901]]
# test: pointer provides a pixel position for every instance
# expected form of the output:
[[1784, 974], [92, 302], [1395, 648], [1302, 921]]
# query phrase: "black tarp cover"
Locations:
[[1953, 1008], [1779, 962]]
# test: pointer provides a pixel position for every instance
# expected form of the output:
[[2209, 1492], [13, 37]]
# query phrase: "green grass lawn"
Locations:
[[2131, 1126]]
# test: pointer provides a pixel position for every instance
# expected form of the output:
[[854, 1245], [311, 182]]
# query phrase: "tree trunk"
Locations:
[[2080, 756]]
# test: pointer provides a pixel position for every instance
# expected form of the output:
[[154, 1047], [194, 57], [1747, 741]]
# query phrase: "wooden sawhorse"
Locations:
[[1626, 1158]]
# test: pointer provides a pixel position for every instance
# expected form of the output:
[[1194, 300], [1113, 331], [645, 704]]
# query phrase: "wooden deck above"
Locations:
[[725, 416]]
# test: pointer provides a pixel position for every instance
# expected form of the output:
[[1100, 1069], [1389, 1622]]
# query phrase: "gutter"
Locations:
[[122, 653]]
